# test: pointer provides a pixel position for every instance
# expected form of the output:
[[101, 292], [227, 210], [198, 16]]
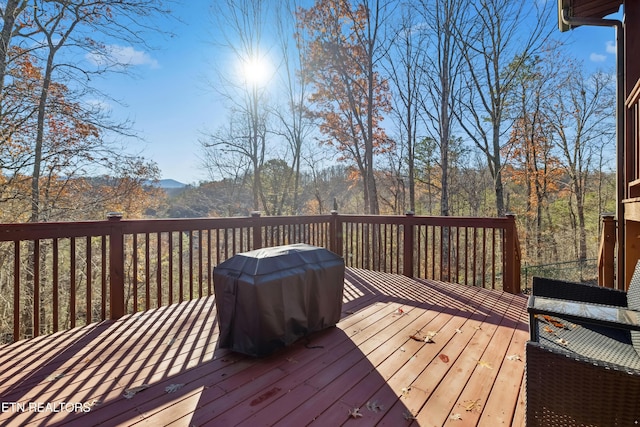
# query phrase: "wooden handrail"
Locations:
[[94, 270]]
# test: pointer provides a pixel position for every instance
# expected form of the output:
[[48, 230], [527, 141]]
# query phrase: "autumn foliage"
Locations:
[[350, 97]]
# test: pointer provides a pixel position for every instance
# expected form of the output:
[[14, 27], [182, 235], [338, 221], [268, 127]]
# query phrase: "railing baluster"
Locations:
[[159, 267], [457, 253], [89, 270], [190, 255], [493, 258], [55, 280], [72, 282], [134, 263], [103, 278], [170, 264], [209, 271], [16, 290], [147, 271], [466, 256], [474, 254], [35, 318], [484, 259], [180, 266], [200, 261]]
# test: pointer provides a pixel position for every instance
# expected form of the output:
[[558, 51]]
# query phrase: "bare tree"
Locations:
[[405, 58], [581, 114], [294, 123], [241, 24], [529, 153], [497, 36], [9, 14], [444, 21]]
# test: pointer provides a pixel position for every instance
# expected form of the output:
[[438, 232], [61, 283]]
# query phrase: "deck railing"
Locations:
[[607, 252], [55, 276]]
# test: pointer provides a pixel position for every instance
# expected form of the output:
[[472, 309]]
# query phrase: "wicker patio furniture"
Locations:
[[583, 358]]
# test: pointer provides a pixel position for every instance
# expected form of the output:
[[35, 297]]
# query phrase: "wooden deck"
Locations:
[[162, 367]]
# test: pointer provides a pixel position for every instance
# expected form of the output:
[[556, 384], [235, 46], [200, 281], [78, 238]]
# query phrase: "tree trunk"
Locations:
[[12, 9]]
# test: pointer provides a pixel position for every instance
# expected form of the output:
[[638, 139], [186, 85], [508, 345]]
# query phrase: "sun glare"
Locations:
[[256, 71]]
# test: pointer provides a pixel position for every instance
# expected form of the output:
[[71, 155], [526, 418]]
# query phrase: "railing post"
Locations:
[[335, 233], [116, 266], [606, 254], [407, 255], [511, 278], [257, 230]]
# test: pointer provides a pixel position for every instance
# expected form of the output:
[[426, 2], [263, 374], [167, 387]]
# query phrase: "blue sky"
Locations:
[[172, 103]]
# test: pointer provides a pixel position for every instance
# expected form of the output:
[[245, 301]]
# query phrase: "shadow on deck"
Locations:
[[162, 367]]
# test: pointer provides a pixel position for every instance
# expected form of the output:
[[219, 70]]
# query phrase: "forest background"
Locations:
[[439, 107]]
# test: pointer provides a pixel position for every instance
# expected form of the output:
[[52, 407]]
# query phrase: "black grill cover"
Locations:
[[268, 298]]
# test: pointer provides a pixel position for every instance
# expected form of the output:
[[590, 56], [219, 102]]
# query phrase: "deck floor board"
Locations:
[[370, 361]]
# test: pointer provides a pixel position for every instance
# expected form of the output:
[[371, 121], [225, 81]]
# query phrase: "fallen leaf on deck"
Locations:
[[402, 349], [399, 311], [471, 405], [264, 396], [428, 337], [444, 358], [129, 393], [456, 416], [55, 377], [408, 415], [562, 341], [406, 390], [355, 413], [548, 330], [485, 364], [374, 407], [478, 328], [458, 331], [173, 387], [514, 357]]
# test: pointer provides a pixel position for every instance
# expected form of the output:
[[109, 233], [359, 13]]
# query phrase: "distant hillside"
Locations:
[[171, 183], [167, 184]]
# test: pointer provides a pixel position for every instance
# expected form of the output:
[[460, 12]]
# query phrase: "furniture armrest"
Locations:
[[578, 292], [580, 312]]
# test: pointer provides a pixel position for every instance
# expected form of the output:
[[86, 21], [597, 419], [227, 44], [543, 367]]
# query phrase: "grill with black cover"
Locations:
[[269, 298]]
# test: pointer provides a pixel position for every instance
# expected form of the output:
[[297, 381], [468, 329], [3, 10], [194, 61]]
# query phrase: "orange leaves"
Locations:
[[554, 322], [484, 364], [471, 405], [399, 312], [350, 97]]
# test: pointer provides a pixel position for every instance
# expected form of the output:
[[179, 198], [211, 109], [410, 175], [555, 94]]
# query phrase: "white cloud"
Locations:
[[115, 55], [596, 57], [611, 47]]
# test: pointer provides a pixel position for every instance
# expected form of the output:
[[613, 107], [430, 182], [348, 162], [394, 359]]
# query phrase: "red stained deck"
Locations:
[[470, 375]]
